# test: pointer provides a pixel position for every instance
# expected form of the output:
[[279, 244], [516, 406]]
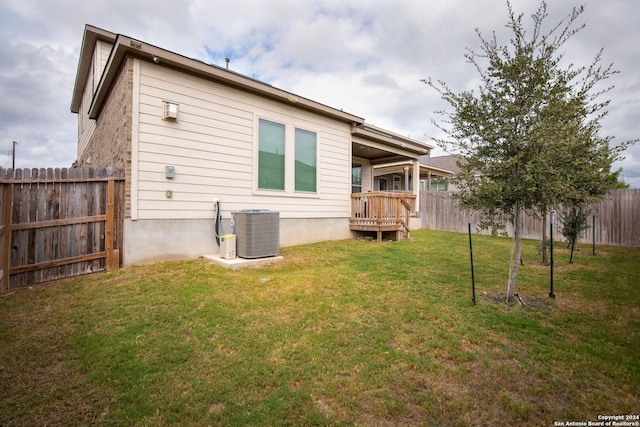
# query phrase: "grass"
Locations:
[[340, 333]]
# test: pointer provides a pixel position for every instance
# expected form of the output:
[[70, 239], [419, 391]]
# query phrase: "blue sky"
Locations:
[[364, 56]]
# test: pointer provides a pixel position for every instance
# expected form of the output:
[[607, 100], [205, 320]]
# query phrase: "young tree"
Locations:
[[574, 222], [532, 129]]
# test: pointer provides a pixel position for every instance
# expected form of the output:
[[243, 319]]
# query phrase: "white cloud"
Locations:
[[364, 56]]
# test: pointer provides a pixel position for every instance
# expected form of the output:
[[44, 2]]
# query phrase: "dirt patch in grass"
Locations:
[[519, 300]]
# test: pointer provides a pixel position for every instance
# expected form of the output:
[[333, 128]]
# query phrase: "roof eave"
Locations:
[[391, 139], [89, 39], [437, 170], [124, 46], [408, 163]]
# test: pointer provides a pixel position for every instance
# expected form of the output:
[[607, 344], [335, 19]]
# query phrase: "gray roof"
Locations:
[[446, 162]]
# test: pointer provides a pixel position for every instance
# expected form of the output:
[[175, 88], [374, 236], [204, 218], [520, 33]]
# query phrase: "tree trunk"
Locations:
[[543, 244], [515, 265]]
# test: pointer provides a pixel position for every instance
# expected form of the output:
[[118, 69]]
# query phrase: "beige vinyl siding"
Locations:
[[213, 147], [86, 126], [337, 159], [101, 57]]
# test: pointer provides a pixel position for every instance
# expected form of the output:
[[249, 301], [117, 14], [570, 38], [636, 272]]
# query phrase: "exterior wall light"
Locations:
[[170, 111]]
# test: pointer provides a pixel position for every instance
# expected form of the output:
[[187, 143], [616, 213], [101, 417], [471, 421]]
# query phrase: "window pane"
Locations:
[[356, 174], [356, 178], [305, 160], [396, 183], [271, 155], [438, 185]]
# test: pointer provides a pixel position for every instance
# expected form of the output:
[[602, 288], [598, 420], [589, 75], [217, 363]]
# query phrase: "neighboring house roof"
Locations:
[[124, 46], [449, 162]]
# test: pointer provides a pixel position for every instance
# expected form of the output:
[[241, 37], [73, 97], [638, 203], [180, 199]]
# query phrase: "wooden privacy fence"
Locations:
[[57, 223], [617, 218]]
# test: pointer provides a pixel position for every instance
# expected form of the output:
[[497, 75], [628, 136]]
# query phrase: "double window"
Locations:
[[273, 160], [438, 184]]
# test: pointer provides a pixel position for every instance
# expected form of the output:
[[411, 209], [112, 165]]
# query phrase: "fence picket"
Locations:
[[63, 213]]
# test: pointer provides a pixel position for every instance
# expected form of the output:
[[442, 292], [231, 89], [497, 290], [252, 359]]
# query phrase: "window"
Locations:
[[397, 184], [356, 178], [271, 144], [305, 169], [287, 158], [438, 184]]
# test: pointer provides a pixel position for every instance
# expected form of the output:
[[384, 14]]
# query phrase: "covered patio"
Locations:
[[387, 177]]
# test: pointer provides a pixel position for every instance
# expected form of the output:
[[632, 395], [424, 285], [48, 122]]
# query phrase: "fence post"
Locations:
[[113, 256], [551, 294], [5, 239], [473, 277], [593, 241]]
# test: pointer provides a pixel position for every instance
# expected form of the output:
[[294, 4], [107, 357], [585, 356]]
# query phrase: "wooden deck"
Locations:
[[382, 211]]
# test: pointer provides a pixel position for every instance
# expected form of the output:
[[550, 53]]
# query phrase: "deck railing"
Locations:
[[381, 211]]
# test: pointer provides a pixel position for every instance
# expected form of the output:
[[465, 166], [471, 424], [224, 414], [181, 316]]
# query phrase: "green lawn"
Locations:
[[340, 333]]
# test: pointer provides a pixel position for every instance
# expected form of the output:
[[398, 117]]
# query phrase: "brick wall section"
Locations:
[[110, 143]]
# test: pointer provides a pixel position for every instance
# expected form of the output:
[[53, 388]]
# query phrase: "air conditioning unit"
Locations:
[[257, 233]]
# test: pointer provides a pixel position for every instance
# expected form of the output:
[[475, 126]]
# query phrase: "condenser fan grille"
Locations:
[[257, 233]]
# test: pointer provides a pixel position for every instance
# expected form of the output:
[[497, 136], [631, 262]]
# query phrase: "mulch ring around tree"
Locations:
[[518, 299]]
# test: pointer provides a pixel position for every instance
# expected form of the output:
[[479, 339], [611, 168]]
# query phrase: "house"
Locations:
[[447, 163], [396, 176], [189, 134]]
